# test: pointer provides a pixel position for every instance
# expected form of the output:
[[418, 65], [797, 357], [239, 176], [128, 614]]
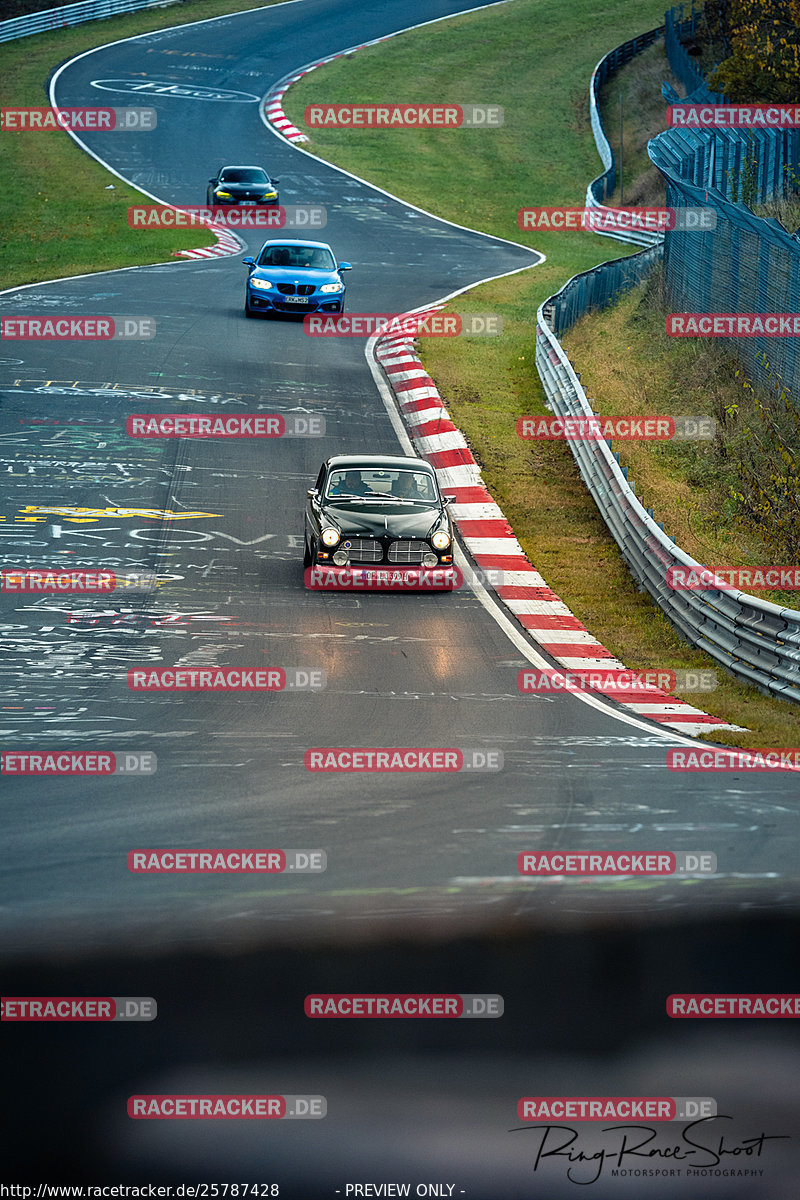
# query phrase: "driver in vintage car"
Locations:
[[406, 487], [348, 483]]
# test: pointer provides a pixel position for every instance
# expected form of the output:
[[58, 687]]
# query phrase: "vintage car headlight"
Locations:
[[332, 287], [440, 540], [341, 558], [264, 284], [330, 536], [430, 560]]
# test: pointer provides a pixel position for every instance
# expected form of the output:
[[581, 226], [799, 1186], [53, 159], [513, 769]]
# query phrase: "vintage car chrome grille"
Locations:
[[408, 551], [362, 549]]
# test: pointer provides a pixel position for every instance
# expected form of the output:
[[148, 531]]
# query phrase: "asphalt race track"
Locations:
[[421, 889]]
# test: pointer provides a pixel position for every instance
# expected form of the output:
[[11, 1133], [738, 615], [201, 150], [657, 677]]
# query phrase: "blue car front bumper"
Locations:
[[275, 301]]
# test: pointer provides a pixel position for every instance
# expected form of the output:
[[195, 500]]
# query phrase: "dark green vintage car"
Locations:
[[377, 511]]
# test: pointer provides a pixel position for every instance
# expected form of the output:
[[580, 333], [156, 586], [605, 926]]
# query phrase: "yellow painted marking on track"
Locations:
[[93, 514]]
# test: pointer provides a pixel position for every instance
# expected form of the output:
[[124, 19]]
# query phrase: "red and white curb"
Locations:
[[491, 542], [227, 243], [273, 108], [274, 113]]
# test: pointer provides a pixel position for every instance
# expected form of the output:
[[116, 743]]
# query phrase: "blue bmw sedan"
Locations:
[[293, 276]]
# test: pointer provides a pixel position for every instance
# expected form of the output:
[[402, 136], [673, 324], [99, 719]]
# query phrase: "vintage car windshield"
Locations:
[[297, 257], [371, 485]]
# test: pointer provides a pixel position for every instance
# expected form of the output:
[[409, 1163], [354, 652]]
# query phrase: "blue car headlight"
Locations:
[[332, 287], [262, 284]]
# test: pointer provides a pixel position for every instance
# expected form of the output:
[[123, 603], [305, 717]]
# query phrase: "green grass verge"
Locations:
[[536, 61], [632, 366], [56, 216]]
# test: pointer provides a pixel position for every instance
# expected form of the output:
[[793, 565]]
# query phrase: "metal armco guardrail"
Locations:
[[72, 14], [675, 26], [755, 640], [601, 188]]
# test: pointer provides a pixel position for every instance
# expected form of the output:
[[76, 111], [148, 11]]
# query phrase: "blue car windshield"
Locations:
[[317, 258]]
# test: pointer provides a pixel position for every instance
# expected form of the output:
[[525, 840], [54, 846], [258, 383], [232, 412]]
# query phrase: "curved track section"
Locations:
[[221, 522], [421, 890]]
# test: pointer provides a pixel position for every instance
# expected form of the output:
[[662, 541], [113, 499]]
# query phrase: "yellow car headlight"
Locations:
[[440, 540], [330, 536], [222, 195], [269, 196]]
